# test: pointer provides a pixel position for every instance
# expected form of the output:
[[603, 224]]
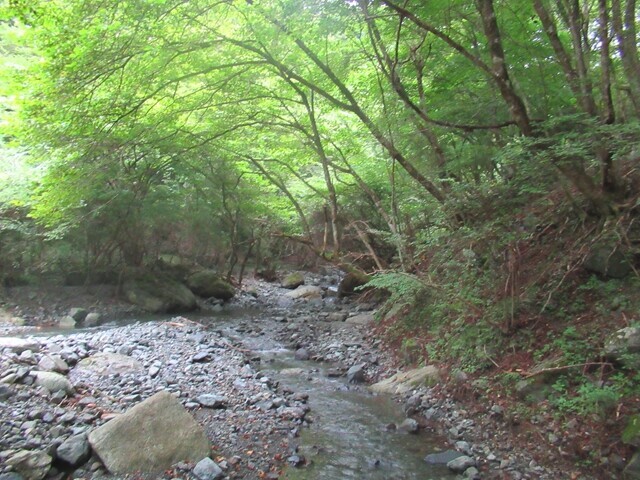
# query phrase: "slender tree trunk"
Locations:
[[625, 31]]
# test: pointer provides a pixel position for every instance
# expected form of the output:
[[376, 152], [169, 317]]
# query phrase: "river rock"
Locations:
[[207, 469], [19, 345], [105, 363], [74, 451], [442, 458], [66, 322], [150, 437], [461, 463], [53, 382], [302, 354], [6, 392], [293, 280], [78, 314], [304, 291], [407, 381], [158, 294], [209, 400], [92, 319], [356, 374], [32, 465], [53, 363], [409, 425], [361, 318], [208, 284], [350, 282]]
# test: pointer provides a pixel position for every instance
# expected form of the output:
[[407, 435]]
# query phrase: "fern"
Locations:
[[403, 288]]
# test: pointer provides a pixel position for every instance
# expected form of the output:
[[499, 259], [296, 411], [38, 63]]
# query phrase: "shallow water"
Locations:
[[348, 437]]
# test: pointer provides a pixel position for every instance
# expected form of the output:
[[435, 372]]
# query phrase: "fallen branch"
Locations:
[[565, 367]]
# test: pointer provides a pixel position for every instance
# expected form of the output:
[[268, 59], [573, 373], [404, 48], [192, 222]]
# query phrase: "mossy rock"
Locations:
[[208, 284], [158, 293], [350, 282], [293, 280], [608, 261]]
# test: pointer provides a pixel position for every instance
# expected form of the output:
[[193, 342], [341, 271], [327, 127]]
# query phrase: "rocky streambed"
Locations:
[[260, 384]]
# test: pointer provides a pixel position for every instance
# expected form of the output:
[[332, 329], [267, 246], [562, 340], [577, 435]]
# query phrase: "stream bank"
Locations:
[[266, 408]]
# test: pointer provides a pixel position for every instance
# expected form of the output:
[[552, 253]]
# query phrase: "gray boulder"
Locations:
[[210, 400], [150, 437], [53, 382], [78, 314], [67, 322], [442, 458], [208, 284], [74, 451], [356, 374], [207, 469], [302, 354], [92, 319], [159, 294], [53, 363], [608, 261], [19, 345], [460, 464], [623, 347], [305, 291], [32, 465], [293, 280]]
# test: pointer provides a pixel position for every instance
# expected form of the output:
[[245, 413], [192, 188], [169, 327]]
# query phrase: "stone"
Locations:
[[406, 381], [78, 314], [209, 400], [472, 473], [32, 465], [608, 261], [302, 354], [442, 458], [6, 392], [53, 382], [150, 437], [53, 363], [356, 374], [208, 284], [159, 294], [460, 464], [632, 470], [207, 469], [67, 322], [623, 347], [409, 425], [74, 451], [361, 319], [350, 282], [11, 476], [19, 345], [304, 291], [92, 319], [293, 280], [105, 363]]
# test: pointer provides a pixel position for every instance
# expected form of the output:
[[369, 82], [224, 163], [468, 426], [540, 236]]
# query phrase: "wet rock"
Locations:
[[409, 425], [11, 476], [442, 458], [53, 382], [472, 473], [460, 464], [106, 363], [356, 374], [6, 392], [293, 280], [207, 469], [32, 465], [19, 345], [350, 282], [150, 437], [159, 294], [74, 451], [302, 354], [407, 381]]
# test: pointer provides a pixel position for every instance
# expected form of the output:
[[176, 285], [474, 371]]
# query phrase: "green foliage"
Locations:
[[403, 288]]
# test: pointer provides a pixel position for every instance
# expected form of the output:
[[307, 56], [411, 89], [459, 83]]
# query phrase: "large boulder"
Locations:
[[623, 347], [304, 291], [407, 381], [350, 282], [159, 294], [32, 465], [293, 280], [53, 382], [208, 284], [150, 437], [19, 345], [608, 261]]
